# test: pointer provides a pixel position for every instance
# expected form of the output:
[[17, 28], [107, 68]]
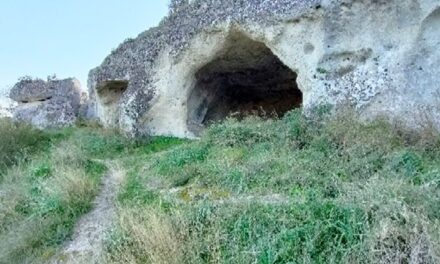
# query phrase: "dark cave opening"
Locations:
[[45, 99], [110, 92], [246, 78]]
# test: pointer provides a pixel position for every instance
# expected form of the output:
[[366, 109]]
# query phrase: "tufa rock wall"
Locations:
[[47, 104], [212, 58]]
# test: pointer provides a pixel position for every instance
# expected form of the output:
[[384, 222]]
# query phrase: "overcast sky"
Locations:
[[67, 37]]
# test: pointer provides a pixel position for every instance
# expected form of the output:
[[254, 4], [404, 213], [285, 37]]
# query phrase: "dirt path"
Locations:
[[86, 244]]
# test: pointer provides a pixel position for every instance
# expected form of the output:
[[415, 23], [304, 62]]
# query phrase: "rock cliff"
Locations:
[[212, 58], [47, 104]]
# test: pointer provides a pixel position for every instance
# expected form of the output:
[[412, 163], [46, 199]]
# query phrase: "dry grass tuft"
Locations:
[[153, 238]]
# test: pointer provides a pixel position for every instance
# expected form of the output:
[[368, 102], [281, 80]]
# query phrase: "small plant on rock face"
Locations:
[[321, 70], [175, 5], [26, 78], [29, 79], [52, 77]]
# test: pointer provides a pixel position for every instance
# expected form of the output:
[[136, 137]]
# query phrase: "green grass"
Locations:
[[48, 180], [315, 189], [350, 192], [17, 141]]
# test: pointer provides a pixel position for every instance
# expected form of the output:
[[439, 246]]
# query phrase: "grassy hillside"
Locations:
[[46, 183], [295, 190]]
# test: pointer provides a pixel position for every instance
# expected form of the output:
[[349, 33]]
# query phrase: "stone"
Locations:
[[6, 107], [212, 58], [47, 104], [4, 112]]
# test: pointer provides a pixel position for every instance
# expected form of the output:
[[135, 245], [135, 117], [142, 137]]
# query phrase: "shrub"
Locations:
[[18, 141]]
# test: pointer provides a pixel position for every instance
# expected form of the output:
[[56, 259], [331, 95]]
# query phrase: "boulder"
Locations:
[[212, 58], [47, 104]]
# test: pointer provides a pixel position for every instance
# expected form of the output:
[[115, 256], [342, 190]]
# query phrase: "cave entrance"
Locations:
[[110, 94], [244, 79]]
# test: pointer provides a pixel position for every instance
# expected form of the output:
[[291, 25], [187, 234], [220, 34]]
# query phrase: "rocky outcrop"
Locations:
[[4, 112], [212, 58], [47, 104], [6, 107]]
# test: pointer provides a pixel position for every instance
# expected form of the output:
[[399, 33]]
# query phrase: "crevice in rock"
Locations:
[[245, 78], [36, 100], [45, 99], [110, 92]]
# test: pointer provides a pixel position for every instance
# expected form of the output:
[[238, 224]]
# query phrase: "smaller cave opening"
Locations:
[[110, 92], [246, 78]]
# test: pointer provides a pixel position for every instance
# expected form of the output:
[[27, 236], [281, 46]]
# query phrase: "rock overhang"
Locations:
[[342, 51]]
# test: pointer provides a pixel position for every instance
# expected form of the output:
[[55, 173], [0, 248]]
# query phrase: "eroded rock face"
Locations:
[[47, 104], [211, 58]]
